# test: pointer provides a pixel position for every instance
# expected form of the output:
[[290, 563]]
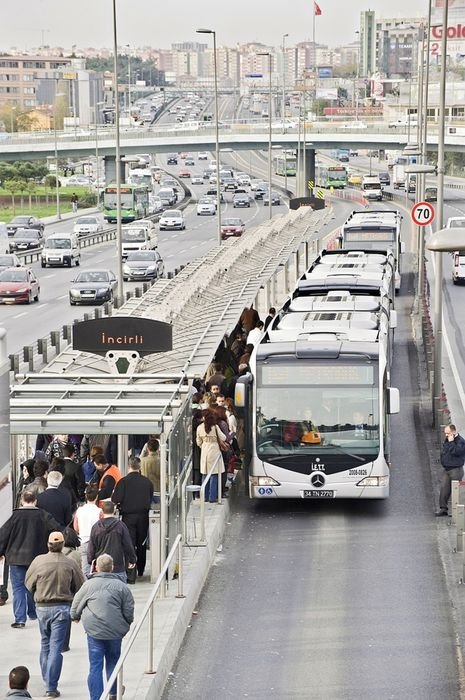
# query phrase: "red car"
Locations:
[[18, 284], [184, 173], [232, 228]]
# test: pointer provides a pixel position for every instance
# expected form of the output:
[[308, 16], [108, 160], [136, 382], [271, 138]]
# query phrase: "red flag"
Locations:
[[316, 9]]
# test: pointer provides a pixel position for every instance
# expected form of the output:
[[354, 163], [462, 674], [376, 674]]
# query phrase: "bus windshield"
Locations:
[[317, 408]]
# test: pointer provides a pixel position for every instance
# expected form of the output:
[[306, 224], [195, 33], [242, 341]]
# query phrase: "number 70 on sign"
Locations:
[[422, 213]]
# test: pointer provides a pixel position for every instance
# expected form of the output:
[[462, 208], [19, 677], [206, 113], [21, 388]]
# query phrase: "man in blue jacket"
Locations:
[[452, 460]]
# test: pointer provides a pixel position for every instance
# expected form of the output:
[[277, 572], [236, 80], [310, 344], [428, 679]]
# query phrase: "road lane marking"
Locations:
[[21, 314], [41, 306], [47, 277]]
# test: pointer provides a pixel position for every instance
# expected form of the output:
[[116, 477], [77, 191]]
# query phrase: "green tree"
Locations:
[[50, 184], [31, 188], [13, 187], [22, 189]]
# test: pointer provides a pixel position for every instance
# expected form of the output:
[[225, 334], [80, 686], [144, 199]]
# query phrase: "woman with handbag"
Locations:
[[212, 441]]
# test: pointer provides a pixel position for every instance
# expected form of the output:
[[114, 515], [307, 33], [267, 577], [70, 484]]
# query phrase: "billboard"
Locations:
[[326, 93], [325, 71]]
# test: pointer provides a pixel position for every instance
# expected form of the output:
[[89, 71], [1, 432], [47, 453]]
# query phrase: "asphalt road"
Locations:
[[331, 601]]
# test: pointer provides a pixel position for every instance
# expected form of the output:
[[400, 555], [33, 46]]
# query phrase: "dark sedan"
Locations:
[[9, 260], [24, 222], [143, 265], [275, 199], [18, 284], [93, 287], [259, 192], [27, 239], [241, 200]]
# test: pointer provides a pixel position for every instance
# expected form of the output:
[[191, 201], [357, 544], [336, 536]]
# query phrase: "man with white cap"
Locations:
[[53, 579]]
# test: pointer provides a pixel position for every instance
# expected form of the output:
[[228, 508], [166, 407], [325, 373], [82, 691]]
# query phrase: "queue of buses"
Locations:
[[318, 398]]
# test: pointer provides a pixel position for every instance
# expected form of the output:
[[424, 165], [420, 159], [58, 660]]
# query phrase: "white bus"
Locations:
[[375, 230], [317, 401]]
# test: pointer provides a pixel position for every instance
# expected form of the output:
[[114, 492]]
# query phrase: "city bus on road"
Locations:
[[134, 202], [285, 165], [141, 176], [317, 400], [375, 230], [334, 176]]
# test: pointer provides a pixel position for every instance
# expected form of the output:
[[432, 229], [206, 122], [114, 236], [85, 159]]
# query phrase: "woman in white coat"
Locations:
[[208, 438]]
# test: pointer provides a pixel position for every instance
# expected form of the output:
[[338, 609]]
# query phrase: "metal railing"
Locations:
[[150, 612]]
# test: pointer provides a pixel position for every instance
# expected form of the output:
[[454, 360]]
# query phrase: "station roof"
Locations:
[[76, 392]]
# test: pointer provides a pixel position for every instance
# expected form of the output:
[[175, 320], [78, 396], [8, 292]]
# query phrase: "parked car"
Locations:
[[87, 224], [241, 200], [232, 227], [143, 265], [18, 284], [206, 207], [172, 219], [27, 239], [9, 260], [93, 287], [24, 222], [275, 199]]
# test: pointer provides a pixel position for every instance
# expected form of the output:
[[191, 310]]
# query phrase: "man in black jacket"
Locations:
[[22, 538], [55, 500], [452, 459], [73, 472], [111, 536], [133, 496]]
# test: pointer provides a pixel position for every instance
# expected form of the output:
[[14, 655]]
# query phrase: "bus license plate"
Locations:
[[314, 493]]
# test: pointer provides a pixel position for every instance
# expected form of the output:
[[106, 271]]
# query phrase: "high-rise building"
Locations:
[[367, 43]]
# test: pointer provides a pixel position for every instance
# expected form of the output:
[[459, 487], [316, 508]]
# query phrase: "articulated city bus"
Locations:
[[375, 230], [317, 401], [285, 165], [334, 176], [134, 202]]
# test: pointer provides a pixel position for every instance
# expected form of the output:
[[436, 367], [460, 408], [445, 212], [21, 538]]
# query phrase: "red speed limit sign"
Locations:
[[422, 213]]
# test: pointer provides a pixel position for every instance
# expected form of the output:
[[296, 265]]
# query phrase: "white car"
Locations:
[[87, 224], [197, 180], [243, 180], [172, 219], [76, 181], [286, 124], [203, 155], [206, 207], [155, 204], [354, 125], [402, 123]]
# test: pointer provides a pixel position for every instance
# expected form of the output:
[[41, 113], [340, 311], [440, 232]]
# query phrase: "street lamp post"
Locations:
[[283, 111], [119, 247], [129, 82], [57, 182], [97, 178], [217, 133], [437, 389], [270, 146]]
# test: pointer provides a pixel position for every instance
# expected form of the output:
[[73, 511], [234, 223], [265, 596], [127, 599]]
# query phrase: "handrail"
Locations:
[[202, 494], [148, 610]]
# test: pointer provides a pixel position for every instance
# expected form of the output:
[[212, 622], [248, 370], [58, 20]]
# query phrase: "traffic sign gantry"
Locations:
[[422, 213]]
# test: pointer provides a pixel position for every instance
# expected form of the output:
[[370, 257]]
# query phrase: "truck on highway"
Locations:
[[399, 176]]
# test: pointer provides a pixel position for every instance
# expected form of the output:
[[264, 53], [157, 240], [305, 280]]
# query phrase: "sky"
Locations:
[[159, 23]]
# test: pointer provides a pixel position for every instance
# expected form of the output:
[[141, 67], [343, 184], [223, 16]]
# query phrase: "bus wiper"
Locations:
[[345, 452]]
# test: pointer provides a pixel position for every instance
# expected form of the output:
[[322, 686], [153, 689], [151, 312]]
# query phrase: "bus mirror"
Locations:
[[393, 319], [240, 395], [393, 400]]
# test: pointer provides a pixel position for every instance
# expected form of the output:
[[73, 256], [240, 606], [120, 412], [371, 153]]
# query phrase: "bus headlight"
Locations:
[[374, 481], [263, 481]]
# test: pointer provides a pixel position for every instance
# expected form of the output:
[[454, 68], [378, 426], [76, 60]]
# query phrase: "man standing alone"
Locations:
[[452, 459], [106, 607], [53, 579], [133, 496]]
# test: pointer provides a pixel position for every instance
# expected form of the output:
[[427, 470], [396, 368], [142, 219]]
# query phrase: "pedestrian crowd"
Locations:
[[218, 436], [78, 535], [76, 539]]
